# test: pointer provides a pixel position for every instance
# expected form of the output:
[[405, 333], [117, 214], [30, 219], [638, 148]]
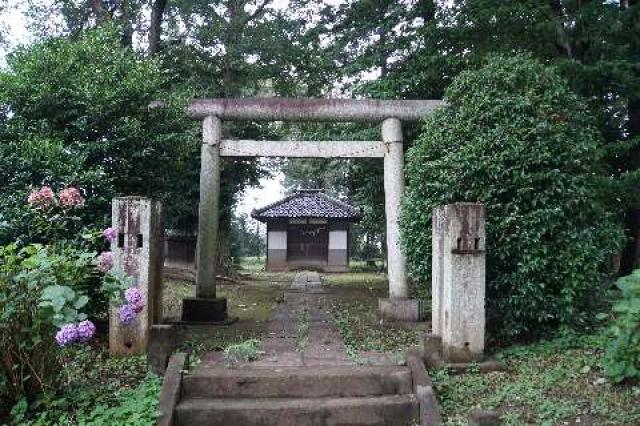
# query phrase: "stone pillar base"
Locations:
[[162, 343], [198, 310], [397, 309], [454, 354], [438, 354]]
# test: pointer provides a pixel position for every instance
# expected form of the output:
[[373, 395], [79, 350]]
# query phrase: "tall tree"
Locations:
[[631, 253], [235, 48], [593, 44]]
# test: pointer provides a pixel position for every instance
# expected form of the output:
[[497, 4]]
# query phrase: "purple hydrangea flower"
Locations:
[[127, 314], [110, 234], [67, 335], [105, 261], [134, 299], [86, 329], [133, 296], [138, 307]]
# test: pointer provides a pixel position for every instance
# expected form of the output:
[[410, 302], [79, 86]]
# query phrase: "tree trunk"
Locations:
[[127, 23], [98, 10], [155, 27], [631, 252], [225, 266]]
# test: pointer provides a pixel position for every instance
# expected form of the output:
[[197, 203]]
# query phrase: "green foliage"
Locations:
[[98, 389], [515, 138], [28, 163], [35, 298], [70, 246], [114, 284], [79, 114], [623, 354], [551, 382], [242, 352], [246, 242], [63, 304]]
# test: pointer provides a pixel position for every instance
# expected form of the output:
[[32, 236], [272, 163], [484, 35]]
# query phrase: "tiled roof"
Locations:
[[308, 203]]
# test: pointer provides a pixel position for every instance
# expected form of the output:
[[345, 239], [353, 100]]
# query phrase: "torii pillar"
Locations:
[[398, 307], [206, 307]]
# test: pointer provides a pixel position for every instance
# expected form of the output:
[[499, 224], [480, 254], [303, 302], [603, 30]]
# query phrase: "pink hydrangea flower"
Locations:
[[105, 261], [43, 198], [71, 197], [110, 234]]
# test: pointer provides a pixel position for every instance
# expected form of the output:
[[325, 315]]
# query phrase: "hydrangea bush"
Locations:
[[45, 296]]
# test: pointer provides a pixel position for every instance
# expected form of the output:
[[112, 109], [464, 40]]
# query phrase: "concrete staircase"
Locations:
[[300, 396]]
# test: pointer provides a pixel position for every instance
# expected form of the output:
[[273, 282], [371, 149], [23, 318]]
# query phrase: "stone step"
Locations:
[[400, 410], [297, 382]]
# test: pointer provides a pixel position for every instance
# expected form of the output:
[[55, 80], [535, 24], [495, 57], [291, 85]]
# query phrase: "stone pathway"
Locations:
[[301, 333], [304, 378]]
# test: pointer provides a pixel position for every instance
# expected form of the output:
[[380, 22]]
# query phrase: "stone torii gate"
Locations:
[[205, 307]]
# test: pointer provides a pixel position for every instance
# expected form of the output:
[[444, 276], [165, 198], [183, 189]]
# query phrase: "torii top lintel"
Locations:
[[312, 109]]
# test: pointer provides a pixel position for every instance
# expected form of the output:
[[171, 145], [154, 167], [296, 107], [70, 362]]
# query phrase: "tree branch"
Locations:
[[259, 11]]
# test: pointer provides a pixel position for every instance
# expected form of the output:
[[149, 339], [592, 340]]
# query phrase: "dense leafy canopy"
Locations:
[[77, 113], [515, 138]]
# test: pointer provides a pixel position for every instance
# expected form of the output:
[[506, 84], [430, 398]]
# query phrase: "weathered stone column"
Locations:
[[458, 280], [208, 211], [397, 307], [137, 252], [206, 307], [393, 190]]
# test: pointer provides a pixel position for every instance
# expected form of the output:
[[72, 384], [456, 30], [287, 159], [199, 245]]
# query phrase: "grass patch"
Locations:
[[560, 381], [251, 264], [370, 280], [277, 278], [241, 352], [248, 301], [362, 330]]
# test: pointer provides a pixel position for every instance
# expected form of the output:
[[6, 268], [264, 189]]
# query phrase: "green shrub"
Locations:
[[97, 389], [75, 111], [622, 359], [515, 138], [35, 299], [29, 163]]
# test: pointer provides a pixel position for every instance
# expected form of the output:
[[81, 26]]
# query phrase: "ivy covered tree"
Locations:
[[515, 138]]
